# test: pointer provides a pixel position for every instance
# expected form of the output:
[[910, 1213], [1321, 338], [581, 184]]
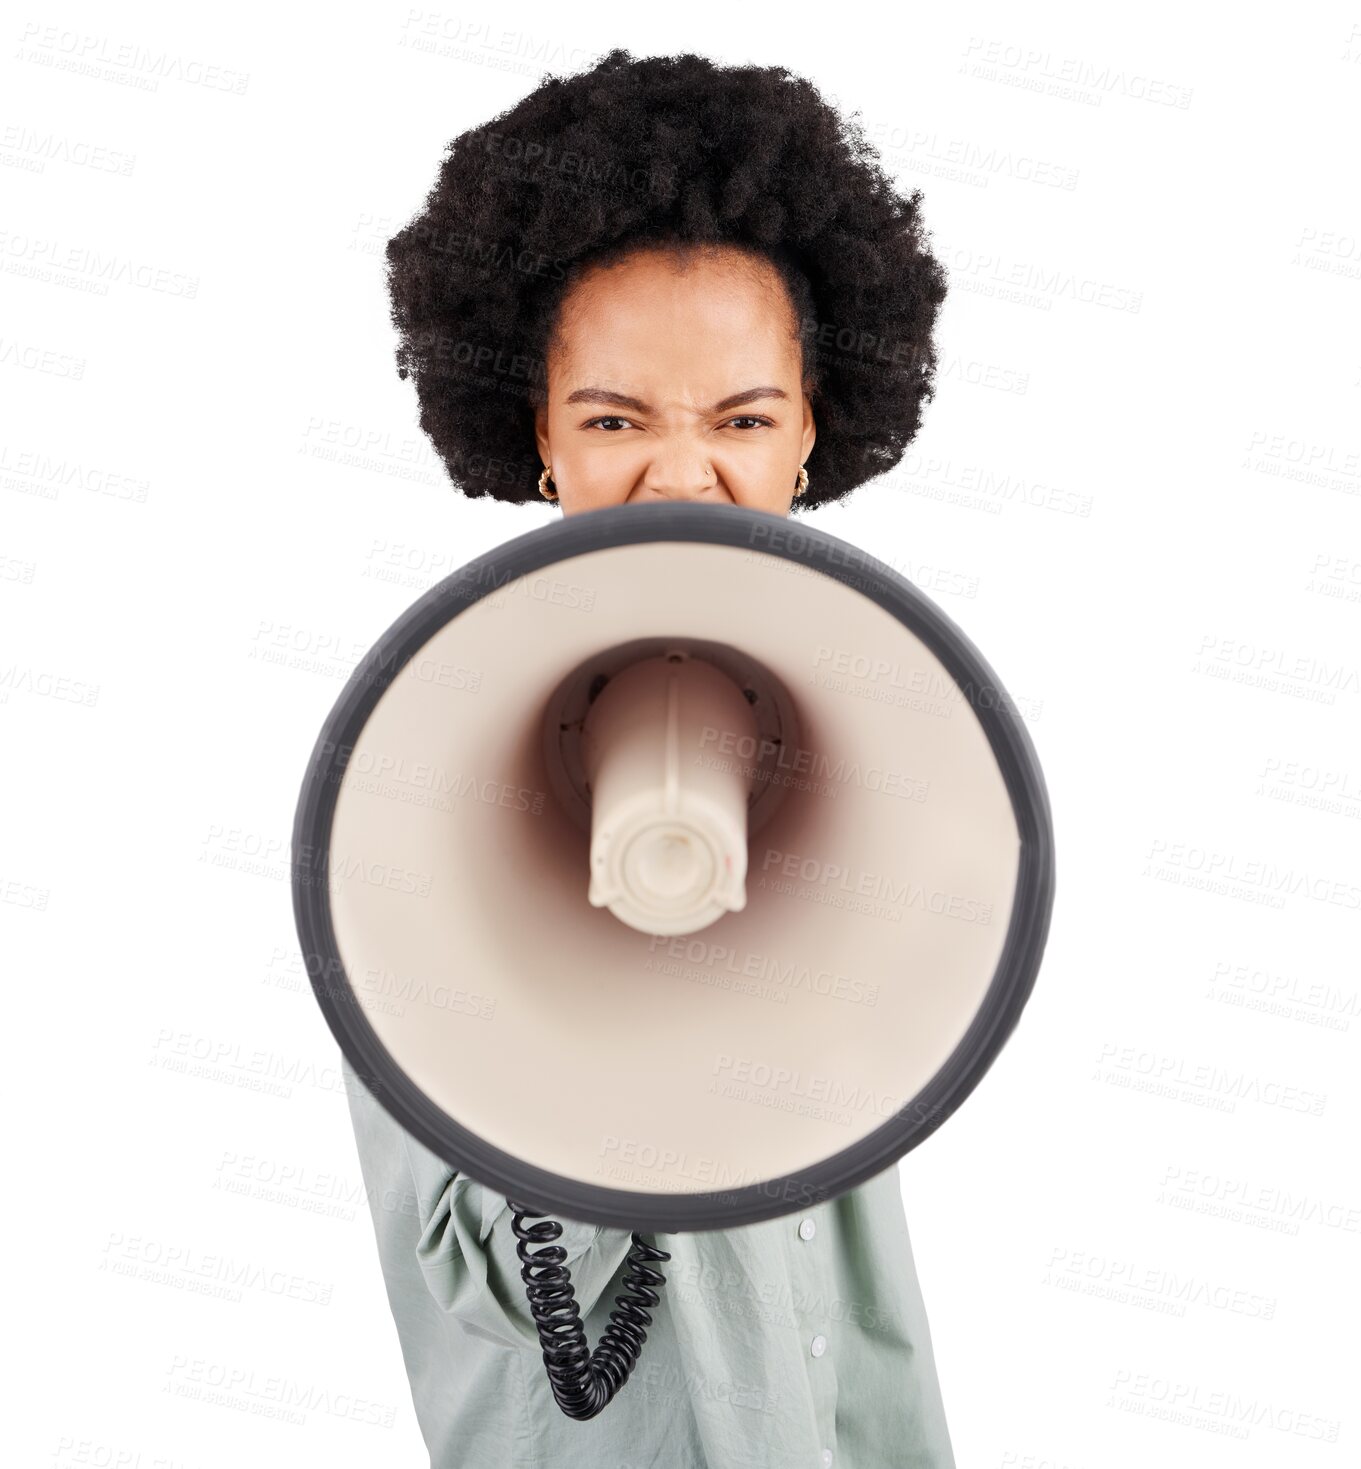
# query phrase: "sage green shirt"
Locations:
[[797, 1343]]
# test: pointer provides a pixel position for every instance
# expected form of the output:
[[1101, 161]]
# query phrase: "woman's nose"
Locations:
[[680, 476]]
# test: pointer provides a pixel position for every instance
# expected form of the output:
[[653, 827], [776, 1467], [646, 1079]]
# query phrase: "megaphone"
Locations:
[[672, 867]]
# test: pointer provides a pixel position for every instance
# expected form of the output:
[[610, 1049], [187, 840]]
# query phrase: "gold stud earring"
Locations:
[[802, 482], [543, 482]]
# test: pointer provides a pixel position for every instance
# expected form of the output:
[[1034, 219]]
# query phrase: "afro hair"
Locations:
[[674, 151]]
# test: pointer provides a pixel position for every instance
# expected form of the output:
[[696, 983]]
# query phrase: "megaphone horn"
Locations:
[[672, 867]]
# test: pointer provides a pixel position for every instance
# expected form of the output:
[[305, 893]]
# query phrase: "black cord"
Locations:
[[584, 1381]]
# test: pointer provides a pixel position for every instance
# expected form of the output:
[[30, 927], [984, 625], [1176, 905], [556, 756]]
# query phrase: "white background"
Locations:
[[1136, 491]]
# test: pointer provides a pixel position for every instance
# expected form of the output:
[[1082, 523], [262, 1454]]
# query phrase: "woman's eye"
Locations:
[[752, 418]]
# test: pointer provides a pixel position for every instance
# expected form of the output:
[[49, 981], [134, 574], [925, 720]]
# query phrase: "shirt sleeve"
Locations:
[[464, 1246]]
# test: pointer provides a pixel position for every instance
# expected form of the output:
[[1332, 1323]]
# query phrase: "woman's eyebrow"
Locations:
[[622, 400]]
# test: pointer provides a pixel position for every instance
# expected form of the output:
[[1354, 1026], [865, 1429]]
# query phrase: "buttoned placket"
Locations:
[[807, 1230]]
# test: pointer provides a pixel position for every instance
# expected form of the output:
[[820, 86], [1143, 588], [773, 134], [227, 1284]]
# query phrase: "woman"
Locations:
[[673, 281]]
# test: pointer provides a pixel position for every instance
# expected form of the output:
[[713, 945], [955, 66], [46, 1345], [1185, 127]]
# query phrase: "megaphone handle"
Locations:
[[583, 1381]]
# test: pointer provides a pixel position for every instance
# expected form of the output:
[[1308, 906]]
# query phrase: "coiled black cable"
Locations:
[[583, 1381]]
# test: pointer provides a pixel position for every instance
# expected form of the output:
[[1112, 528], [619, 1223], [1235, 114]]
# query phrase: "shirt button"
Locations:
[[819, 1345], [826, 1459], [807, 1229]]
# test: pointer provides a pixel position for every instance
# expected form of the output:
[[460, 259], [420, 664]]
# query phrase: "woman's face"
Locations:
[[676, 380]]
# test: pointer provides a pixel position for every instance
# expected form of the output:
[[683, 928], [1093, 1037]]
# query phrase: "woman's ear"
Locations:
[[541, 431], [810, 429]]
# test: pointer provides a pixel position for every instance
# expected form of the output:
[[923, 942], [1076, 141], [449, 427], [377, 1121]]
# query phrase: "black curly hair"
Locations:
[[679, 152]]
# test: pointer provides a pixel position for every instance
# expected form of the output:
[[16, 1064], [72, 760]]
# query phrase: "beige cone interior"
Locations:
[[878, 895]]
